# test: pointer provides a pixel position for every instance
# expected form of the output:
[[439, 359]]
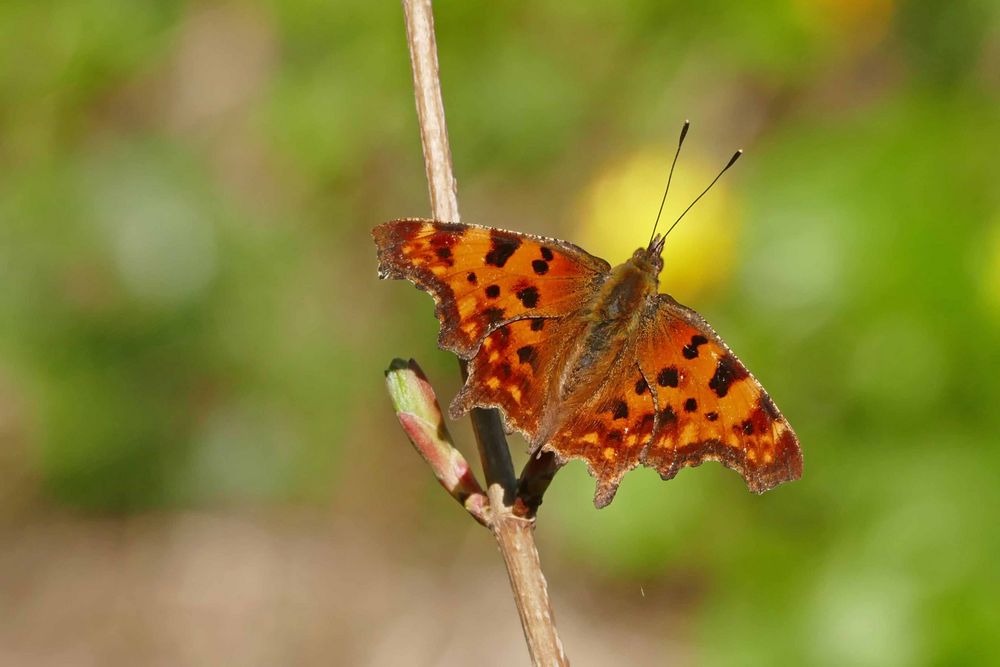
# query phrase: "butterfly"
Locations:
[[586, 360]]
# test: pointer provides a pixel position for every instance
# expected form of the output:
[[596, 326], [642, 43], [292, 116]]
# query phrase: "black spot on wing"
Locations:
[[537, 324], [667, 377], [619, 409], [641, 386], [727, 372], [493, 291], [667, 416], [493, 314], [472, 278], [690, 405], [711, 416], [547, 254], [527, 354], [690, 351], [502, 247], [540, 266], [528, 296]]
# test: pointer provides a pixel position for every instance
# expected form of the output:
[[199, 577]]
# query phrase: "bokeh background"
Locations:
[[198, 461]]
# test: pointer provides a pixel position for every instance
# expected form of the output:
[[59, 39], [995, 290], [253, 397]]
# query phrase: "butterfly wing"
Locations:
[[517, 369], [608, 428], [709, 406], [677, 397], [482, 277]]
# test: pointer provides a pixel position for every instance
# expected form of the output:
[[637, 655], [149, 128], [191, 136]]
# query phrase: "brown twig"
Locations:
[[514, 534]]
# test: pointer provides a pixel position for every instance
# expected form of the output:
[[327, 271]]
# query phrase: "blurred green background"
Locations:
[[198, 462]]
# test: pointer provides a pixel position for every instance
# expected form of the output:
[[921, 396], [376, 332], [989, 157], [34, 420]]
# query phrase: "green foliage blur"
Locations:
[[190, 316]]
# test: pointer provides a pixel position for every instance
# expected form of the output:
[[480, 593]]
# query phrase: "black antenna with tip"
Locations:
[[680, 142], [732, 161]]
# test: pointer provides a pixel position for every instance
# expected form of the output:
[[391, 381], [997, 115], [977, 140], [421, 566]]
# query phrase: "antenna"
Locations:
[[732, 161], [680, 142]]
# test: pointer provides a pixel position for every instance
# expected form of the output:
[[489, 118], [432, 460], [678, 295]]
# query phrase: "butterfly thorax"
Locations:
[[623, 294], [613, 315]]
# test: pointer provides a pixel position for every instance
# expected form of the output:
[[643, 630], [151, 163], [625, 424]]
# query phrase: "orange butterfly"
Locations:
[[588, 361]]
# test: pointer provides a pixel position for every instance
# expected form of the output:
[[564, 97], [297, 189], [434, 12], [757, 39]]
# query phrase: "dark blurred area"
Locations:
[[198, 461]]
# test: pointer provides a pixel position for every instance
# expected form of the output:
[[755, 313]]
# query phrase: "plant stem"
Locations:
[[514, 535]]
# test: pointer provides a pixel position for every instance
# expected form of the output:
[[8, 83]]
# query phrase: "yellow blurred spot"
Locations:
[[515, 393], [493, 382], [494, 355], [752, 455], [617, 211], [609, 453], [590, 438], [768, 458]]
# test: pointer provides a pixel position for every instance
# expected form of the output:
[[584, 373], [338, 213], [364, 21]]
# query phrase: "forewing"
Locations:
[[482, 277], [709, 406]]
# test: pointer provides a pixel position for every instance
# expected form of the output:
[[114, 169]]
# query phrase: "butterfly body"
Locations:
[[614, 316], [588, 361]]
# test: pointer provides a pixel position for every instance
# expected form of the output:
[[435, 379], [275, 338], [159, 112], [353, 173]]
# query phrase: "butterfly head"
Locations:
[[650, 259]]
